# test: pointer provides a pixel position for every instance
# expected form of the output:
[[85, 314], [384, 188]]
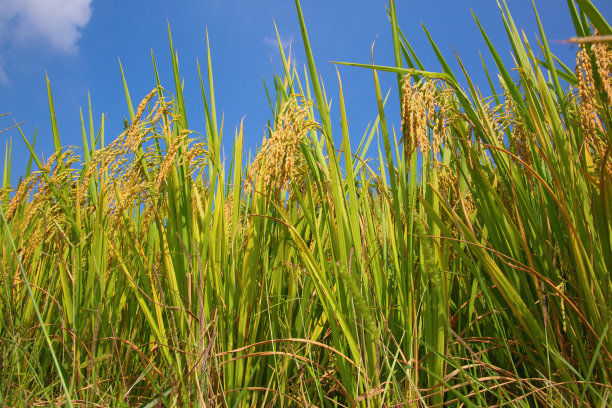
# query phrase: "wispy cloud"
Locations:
[[273, 42], [288, 44], [56, 23], [3, 77]]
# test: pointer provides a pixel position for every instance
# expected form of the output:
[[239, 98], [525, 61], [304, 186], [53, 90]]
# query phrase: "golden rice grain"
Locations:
[[279, 160], [418, 107]]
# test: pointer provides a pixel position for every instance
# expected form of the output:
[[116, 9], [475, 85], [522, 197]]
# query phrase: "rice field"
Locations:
[[462, 260]]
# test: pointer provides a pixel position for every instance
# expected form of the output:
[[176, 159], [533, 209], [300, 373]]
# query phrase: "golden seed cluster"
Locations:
[[593, 97], [279, 160], [418, 107]]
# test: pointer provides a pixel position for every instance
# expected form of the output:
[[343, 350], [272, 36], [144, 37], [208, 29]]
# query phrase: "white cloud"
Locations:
[[3, 77], [273, 41], [57, 23], [288, 44]]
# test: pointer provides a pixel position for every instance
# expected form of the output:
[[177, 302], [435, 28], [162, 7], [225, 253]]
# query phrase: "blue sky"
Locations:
[[78, 43]]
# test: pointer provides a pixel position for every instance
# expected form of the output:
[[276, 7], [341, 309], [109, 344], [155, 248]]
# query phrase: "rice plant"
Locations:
[[462, 261]]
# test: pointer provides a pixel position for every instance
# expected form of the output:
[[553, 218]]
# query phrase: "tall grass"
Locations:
[[462, 262]]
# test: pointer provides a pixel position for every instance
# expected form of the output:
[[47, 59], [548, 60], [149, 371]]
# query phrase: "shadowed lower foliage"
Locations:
[[463, 262]]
